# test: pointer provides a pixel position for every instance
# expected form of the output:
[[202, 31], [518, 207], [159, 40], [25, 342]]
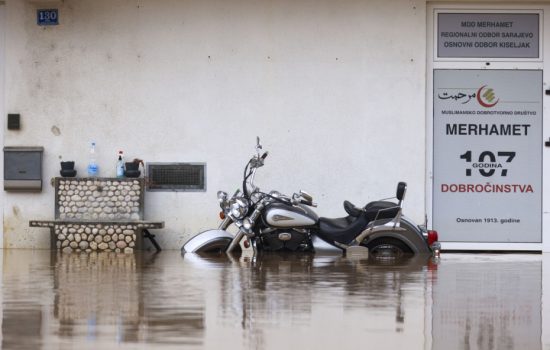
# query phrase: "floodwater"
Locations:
[[155, 301]]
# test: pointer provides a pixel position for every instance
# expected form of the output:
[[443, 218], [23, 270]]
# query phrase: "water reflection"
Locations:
[[97, 288], [273, 301], [488, 305], [277, 297], [103, 298]]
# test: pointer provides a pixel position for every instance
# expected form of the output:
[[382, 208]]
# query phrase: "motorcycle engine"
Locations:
[[293, 240]]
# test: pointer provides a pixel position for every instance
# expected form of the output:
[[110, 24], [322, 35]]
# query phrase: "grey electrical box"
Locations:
[[23, 169]]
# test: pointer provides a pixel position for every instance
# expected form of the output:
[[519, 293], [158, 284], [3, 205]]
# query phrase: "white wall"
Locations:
[[2, 95], [335, 89]]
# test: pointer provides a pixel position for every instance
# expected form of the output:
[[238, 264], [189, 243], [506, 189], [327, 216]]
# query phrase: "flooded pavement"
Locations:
[[291, 301]]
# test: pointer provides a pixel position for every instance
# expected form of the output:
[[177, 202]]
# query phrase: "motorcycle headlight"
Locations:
[[238, 207]]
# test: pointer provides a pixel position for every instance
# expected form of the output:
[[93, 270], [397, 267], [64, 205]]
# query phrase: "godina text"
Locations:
[[487, 188], [488, 129]]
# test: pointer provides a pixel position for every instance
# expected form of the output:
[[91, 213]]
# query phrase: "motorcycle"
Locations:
[[277, 222]]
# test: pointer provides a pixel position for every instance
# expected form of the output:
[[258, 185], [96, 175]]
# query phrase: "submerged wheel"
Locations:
[[388, 248]]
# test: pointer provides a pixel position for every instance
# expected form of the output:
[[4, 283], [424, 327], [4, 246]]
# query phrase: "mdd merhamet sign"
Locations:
[[488, 155], [488, 35]]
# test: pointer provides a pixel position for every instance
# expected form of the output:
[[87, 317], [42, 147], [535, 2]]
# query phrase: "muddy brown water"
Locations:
[[290, 301]]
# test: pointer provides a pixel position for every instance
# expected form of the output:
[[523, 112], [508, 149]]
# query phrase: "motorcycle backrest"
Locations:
[[401, 189]]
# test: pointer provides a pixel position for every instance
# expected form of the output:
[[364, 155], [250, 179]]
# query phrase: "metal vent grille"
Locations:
[[176, 176]]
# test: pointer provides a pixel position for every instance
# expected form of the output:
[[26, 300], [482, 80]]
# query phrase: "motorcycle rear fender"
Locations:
[[208, 240], [408, 232]]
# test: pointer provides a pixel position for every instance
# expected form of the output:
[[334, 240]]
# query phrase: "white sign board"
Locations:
[[488, 35], [488, 155]]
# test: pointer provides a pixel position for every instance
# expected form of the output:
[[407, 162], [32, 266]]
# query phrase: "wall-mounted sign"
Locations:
[[488, 35], [488, 155], [47, 17]]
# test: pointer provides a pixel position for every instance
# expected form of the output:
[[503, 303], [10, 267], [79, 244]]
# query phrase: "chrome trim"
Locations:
[[225, 223], [373, 228], [235, 241], [274, 217], [321, 246], [285, 236], [436, 249], [278, 217]]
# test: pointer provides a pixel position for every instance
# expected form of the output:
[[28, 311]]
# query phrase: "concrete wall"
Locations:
[[335, 89]]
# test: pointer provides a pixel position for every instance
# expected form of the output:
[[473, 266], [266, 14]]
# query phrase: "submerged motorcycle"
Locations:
[[276, 222]]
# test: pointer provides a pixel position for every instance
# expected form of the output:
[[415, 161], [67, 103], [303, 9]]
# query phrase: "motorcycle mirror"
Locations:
[[258, 144], [264, 156]]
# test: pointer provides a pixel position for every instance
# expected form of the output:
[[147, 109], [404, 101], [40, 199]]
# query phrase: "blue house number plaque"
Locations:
[[48, 17]]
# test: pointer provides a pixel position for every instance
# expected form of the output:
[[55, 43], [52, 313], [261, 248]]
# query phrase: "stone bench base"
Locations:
[[88, 236]]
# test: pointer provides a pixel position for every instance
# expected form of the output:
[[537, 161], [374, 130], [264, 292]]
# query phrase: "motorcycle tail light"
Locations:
[[222, 215], [432, 237]]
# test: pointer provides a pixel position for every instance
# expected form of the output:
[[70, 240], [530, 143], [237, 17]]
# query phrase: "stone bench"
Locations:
[[99, 214]]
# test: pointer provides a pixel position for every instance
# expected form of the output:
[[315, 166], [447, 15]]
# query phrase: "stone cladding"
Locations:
[[99, 199], [98, 214]]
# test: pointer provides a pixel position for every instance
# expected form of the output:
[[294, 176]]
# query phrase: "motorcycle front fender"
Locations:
[[208, 241]]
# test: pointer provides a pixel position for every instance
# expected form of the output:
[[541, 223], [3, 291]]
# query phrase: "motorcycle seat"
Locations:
[[381, 210], [342, 230], [377, 205], [371, 208], [352, 209]]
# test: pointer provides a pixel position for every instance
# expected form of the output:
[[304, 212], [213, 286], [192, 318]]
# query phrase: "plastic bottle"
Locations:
[[120, 165], [93, 169]]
